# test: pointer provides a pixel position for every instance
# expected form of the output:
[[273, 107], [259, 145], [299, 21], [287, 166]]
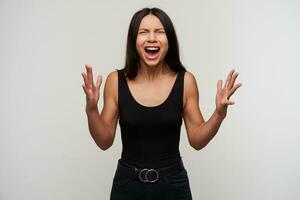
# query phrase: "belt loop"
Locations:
[[136, 172]]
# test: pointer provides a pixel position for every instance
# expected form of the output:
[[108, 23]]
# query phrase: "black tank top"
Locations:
[[150, 135]]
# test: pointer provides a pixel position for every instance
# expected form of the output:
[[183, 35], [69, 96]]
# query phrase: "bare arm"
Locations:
[[98, 129], [200, 132], [102, 126], [203, 133]]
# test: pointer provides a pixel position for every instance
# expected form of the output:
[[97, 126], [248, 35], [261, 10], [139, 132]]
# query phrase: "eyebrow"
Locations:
[[148, 29]]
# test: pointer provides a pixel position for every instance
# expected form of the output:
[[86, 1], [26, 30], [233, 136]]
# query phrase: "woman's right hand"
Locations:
[[91, 91]]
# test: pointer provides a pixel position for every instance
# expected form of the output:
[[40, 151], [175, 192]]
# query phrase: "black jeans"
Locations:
[[167, 184]]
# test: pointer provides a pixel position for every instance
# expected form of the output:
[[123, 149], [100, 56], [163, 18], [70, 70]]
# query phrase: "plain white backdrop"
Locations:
[[45, 148]]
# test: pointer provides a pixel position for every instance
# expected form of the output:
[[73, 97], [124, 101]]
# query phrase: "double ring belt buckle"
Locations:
[[144, 177]]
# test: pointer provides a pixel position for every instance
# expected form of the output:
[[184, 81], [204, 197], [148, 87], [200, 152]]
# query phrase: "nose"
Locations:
[[152, 36]]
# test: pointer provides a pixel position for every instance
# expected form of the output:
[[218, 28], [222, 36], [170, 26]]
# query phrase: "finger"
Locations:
[[219, 86], [85, 78], [230, 102], [232, 91], [86, 82], [89, 73], [99, 81], [228, 78], [84, 89], [232, 80]]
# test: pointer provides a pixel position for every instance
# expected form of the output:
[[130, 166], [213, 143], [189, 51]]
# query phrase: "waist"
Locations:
[[150, 161], [149, 175]]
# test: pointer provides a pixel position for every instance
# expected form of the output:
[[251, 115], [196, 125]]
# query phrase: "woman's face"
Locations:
[[151, 42]]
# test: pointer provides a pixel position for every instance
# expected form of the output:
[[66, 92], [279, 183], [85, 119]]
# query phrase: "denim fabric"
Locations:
[[168, 187]]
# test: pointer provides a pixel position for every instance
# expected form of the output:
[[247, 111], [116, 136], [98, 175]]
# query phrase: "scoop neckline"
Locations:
[[152, 107]]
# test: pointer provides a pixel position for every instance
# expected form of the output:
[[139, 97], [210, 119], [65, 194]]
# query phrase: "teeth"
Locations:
[[152, 48]]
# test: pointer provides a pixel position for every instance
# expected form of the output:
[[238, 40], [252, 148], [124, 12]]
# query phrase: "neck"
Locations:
[[151, 72]]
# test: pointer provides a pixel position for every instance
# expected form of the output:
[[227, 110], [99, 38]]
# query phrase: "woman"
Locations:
[[150, 96]]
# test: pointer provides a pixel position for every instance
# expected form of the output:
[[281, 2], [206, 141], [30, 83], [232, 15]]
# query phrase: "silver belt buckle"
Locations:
[[145, 177]]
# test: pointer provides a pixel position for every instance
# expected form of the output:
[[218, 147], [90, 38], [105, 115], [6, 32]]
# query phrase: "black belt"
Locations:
[[148, 175]]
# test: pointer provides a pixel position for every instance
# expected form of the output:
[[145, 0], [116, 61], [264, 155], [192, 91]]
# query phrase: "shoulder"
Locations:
[[112, 78], [111, 85], [190, 89], [189, 80], [113, 75]]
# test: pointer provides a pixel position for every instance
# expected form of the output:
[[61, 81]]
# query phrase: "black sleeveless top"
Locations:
[[150, 135]]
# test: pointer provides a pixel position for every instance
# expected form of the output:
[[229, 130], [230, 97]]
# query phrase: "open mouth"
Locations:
[[152, 52]]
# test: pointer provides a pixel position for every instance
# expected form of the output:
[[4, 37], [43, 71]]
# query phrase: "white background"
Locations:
[[45, 148]]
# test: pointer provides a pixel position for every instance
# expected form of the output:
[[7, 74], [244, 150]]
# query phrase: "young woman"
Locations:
[[149, 97]]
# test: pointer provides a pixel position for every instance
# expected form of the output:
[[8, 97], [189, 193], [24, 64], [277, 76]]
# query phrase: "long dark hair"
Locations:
[[132, 58]]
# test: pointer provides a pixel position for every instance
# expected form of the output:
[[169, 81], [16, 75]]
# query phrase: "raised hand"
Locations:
[[92, 91], [223, 94]]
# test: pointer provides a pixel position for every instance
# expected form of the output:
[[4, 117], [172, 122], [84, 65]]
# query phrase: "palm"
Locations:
[[92, 94], [224, 94]]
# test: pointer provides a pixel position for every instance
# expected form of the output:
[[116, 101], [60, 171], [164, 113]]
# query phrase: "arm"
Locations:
[[200, 132], [98, 129], [204, 132], [102, 126]]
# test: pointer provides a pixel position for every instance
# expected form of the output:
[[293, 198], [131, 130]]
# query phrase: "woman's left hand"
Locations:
[[223, 94]]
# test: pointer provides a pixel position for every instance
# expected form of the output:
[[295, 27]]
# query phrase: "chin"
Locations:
[[152, 63]]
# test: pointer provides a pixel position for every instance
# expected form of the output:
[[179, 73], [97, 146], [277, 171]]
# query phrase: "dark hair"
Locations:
[[132, 58]]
